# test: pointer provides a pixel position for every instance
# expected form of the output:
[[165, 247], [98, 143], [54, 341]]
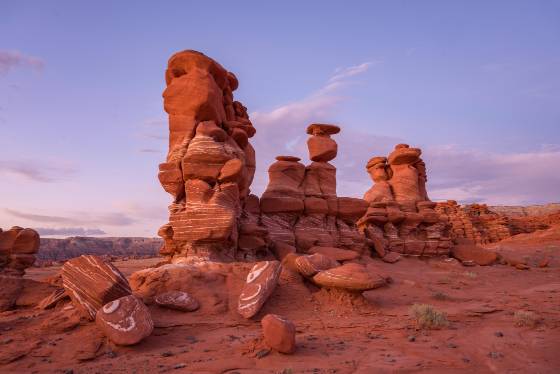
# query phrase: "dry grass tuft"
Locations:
[[526, 319], [428, 317]]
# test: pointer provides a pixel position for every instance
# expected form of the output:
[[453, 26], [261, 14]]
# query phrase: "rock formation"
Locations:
[[279, 333], [300, 206], [210, 164], [17, 250], [400, 216], [474, 222]]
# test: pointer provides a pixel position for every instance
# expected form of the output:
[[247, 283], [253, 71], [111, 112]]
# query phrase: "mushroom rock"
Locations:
[[261, 282], [17, 250], [400, 216], [125, 321], [350, 276], [210, 164], [310, 265], [279, 333], [91, 283], [177, 300], [300, 206]]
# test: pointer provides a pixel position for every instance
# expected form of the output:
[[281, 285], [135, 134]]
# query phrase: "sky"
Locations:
[[475, 84]]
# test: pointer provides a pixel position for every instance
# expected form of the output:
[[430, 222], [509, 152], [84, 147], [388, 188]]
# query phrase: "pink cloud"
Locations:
[[15, 59]]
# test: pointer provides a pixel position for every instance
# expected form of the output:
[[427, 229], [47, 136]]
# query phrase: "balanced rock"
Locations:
[[125, 321], [279, 333], [261, 282], [312, 264], [91, 283], [177, 300], [350, 276]]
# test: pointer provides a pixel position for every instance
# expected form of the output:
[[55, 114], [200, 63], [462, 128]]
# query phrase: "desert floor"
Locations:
[[486, 333]]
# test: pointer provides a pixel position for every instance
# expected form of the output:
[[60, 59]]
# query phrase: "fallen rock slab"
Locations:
[[92, 283], [479, 256], [350, 276], [261, 282]]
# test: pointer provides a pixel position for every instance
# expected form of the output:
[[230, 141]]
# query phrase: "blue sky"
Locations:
[[475, 84]]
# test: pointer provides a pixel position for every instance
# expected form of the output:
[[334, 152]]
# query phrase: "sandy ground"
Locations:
[[482, 306]]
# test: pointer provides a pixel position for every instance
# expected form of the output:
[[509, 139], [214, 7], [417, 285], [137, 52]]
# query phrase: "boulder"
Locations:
[[91, 283], [350, 276], [478, 255], [177, 300], [125, 321], [279, 333], [261, 282]]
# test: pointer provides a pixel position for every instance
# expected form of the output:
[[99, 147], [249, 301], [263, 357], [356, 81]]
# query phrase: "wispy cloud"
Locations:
[[149, 150], [281, 130], [76, 218], [37, 171], [68, 231], [10, 60]]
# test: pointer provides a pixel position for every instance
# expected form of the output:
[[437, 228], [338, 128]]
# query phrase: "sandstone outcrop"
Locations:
[[279, 333], [210, 165], [17, 250], [300, 206], [125, 321], [91, 283], [400, 216]]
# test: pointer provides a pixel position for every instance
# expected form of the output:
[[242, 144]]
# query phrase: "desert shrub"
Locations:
[[428, 317], [525, 319], [470, 274]]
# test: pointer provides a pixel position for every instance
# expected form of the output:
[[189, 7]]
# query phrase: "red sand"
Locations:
[[332, 337]]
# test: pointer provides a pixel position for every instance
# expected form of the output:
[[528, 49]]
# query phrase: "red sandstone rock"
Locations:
[[337, 254], [310, 265], [125, 321], [10, 291], [178, 300], [478, 255], [321, 148], [279, 333], [322, 129], [391, 257], [91, 283], [261, 282], [17, 249], [350, 276]]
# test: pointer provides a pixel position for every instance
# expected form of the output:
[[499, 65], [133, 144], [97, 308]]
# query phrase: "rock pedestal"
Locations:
[[210, 165], [400, 216], [300, 206]]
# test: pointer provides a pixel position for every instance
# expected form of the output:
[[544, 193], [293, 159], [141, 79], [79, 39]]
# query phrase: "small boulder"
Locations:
[[350, 276], [177, 300], [391, 257], [261, 282], [279, 333], [125, 321]]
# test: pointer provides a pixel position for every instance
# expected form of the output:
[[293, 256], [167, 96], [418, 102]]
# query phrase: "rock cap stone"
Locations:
[[322, 129]]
